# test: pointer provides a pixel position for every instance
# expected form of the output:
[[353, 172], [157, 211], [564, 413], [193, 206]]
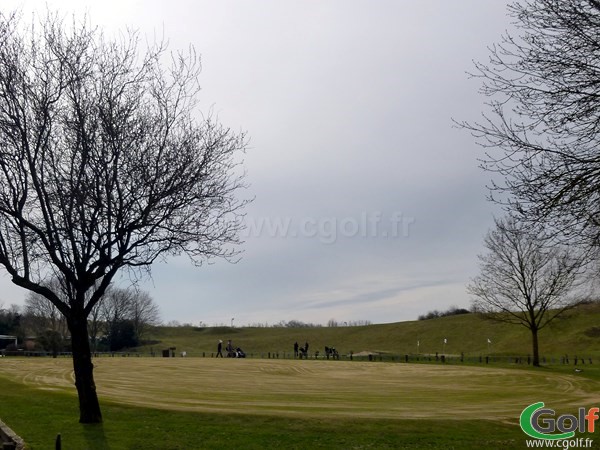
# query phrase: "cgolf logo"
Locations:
[[540, 423]]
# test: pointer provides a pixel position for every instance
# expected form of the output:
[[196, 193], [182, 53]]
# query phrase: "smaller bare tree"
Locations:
[[95, 325], [114, 307], [525, 279], [44, 315], [128, 305], [143, 313]]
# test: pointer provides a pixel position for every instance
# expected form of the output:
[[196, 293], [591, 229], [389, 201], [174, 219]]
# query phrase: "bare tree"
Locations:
[[42, 316], [143, 313], [524, 278], [133, 305], [45, 320], [115, 305], [95, 326], [41, 310], [542, 121], [104, 166]]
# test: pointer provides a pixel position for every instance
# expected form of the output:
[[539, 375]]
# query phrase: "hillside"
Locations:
[[578, 333]]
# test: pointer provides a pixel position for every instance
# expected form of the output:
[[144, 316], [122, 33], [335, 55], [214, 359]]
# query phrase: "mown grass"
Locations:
[[314, 389], [278, 407], [38, 416], [196, 403]]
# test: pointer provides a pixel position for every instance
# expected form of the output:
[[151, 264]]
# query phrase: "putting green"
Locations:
[[315, 388]]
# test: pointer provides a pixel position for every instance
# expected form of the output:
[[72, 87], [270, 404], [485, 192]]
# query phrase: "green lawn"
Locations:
[[190, 403], [202, 402], [39, 416]]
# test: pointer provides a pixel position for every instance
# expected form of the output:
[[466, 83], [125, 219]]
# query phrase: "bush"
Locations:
[[452, 311], [51, 341]]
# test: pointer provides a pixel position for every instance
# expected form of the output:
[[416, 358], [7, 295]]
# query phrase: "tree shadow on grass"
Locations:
[[94, 436]]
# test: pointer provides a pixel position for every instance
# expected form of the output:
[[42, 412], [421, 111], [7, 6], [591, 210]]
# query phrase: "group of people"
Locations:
[[231, 351], [301, 352]]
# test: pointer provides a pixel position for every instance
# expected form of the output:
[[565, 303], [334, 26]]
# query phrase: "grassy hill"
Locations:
[[577, 333]]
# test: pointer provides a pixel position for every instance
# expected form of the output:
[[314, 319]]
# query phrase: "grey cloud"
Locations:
[[348, 105]]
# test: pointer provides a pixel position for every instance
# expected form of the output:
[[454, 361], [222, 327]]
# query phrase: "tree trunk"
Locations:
[[536, 349], [89, 407]]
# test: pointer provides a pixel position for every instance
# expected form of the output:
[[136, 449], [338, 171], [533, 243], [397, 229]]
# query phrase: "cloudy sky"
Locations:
[[368, 205]]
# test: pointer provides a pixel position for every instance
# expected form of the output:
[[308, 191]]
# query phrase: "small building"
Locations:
[[6, 340]]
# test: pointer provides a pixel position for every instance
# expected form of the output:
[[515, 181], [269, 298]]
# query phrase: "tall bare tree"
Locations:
[[541, 125], [133, 305], [105, 165], [44, 319], [40, 309], [115, 305], [143, 312], [525, 279]]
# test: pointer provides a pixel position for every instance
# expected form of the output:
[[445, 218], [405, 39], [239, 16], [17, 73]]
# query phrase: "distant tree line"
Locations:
[[452, 311], [281, 324], [121, 320], [332, 323]]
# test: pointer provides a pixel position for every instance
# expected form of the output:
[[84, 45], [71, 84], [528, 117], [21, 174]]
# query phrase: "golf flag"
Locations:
[[445, 341], [489, 342]]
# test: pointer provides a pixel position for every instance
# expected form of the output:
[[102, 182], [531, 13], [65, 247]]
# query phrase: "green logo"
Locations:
[[539, 422]]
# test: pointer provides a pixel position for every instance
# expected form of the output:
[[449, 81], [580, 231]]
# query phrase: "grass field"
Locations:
[[256, 403], [577, 333], [284, 403], [314, 388]]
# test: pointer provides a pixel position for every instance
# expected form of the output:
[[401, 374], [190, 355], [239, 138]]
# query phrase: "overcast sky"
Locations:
[[368, 205]]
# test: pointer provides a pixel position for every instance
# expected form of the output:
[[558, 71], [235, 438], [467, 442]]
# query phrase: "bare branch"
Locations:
[[542, 121]]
